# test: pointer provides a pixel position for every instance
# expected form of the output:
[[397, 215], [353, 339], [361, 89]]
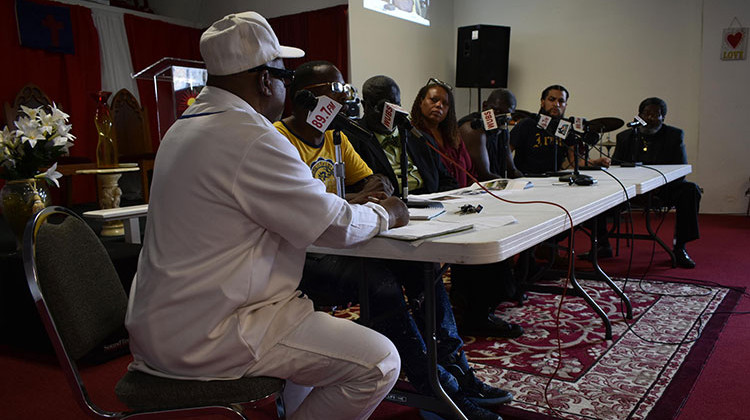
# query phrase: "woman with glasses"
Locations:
[[433, 112]]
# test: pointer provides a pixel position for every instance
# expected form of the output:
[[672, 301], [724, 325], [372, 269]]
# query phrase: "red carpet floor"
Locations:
[[32, 387]]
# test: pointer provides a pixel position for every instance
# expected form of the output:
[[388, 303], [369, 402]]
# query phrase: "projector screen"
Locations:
[[411, 10]]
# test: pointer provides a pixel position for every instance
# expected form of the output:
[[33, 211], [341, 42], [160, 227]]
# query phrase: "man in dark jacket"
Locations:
[[658, 143], [382, 150]]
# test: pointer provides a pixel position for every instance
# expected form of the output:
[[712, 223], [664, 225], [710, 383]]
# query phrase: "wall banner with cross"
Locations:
[[734, 42], [44, 27]]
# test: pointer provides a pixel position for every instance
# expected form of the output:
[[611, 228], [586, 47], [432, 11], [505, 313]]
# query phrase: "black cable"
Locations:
[[571, 262]]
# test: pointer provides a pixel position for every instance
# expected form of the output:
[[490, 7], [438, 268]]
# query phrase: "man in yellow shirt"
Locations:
[[317, 149], [334, 280]]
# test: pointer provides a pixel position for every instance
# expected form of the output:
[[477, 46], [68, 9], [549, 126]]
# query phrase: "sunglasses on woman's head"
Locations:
[[442, 84]]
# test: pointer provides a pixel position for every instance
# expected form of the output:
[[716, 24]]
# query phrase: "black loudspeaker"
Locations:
[[482, 59]]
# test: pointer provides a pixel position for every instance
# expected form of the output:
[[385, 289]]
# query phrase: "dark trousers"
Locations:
[[685, 196], [334, 280], [478, 289]]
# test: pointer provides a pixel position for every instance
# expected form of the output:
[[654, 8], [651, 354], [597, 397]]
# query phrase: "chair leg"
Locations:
[[658, 239]]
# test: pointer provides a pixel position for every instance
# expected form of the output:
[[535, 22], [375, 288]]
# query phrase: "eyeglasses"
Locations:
[[286, 76], [442, 84], [338, 87]]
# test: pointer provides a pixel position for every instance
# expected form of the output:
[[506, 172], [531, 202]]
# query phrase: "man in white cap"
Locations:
[[233, 209]]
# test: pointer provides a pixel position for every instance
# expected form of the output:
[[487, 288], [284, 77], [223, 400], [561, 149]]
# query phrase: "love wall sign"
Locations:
[[734, 44]]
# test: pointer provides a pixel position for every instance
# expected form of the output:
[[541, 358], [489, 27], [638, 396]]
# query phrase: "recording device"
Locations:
[[637, 121], [351, 108], [307, 100]]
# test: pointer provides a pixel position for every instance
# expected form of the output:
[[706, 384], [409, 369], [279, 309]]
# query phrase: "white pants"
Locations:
[[351, 368]]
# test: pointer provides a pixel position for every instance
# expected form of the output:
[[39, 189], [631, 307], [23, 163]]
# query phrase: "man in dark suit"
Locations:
[[658, 143]]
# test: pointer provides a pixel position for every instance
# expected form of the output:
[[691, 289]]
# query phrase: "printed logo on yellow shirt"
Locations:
[[322, 169]]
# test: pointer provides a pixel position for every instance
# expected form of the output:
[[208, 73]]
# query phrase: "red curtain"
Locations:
[[68, 79], [151, 40], [323, 34]]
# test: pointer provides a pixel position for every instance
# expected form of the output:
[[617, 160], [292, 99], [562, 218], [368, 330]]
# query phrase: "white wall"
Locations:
[[610, 54], [724, 146], [407, 52]]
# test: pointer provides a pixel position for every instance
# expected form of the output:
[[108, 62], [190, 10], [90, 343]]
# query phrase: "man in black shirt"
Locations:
[[538, 151]]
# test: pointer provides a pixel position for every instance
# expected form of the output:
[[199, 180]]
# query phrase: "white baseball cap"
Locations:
[[240, 42]]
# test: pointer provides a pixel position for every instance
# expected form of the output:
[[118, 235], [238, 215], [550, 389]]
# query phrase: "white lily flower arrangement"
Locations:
[[38, 140]]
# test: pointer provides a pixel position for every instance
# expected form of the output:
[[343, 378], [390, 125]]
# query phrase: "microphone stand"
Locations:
[[636, 133], [554, 154], [577, 177], [502, 138], [402, 133], [338, 167]]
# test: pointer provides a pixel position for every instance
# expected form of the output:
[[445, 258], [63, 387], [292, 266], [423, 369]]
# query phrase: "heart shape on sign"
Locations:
[[734, 39]]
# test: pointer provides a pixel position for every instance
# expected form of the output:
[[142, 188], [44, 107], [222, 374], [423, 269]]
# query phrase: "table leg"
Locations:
[[601, 275], [431, 341]]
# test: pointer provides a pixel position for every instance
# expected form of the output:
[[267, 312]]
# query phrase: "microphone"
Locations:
[[396, 116], [636, 122], [489, 121], [567, 129], [307, 100]]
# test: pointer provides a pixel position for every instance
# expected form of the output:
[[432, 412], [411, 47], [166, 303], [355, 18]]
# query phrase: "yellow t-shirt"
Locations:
[[321, 159]]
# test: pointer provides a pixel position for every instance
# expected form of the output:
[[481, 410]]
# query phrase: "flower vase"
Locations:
[[21, 200], [106, 148]]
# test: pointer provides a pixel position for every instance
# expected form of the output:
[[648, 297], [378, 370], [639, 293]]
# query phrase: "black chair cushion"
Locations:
[[141, 391]]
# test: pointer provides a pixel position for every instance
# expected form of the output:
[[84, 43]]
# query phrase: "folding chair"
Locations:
[[81, 302], [650, 205]]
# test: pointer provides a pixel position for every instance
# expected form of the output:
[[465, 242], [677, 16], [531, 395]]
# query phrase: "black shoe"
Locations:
[[683, 259], [492, 326], [601, 253], [477, 391], [470, 410]]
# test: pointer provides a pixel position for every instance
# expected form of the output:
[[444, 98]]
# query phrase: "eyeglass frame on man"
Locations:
[[285, 75], [337, 87]]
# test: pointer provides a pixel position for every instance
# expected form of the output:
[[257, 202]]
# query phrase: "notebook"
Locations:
[[424, 229], [424, 210]]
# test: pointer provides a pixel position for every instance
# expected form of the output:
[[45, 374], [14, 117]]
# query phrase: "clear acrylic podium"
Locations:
[[177, 82]]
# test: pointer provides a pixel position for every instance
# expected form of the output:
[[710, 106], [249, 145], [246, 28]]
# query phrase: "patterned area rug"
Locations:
[[640, 374], [623, 378]]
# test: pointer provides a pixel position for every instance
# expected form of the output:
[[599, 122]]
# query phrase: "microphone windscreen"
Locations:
[[305, 99], [591, 138]]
